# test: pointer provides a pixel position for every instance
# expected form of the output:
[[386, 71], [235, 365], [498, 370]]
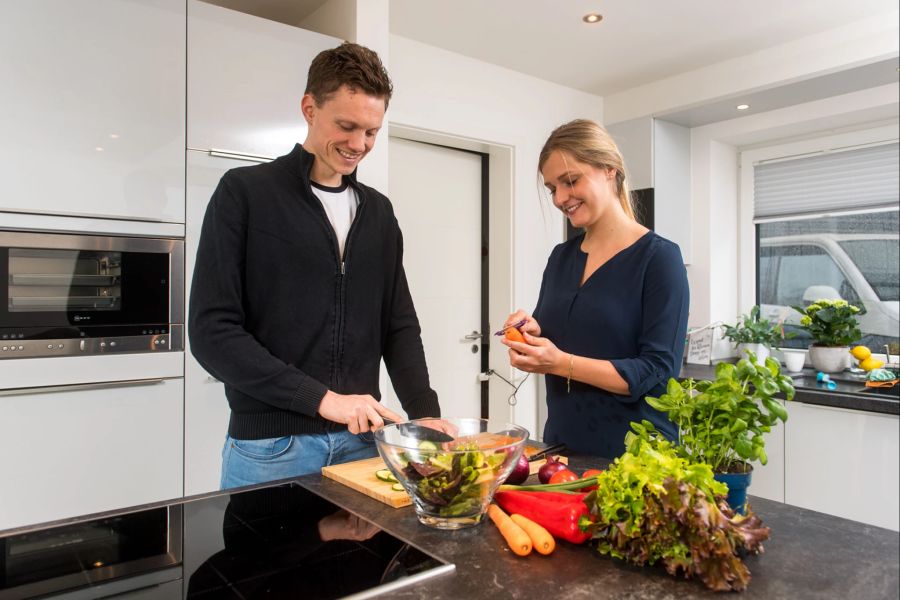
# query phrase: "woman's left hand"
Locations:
[[538, 355]]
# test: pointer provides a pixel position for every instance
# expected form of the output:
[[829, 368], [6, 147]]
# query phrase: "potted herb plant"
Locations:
[[833, 326], [756, 335], [722, 422]]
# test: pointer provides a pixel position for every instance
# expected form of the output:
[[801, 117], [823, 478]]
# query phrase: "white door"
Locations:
[[436, 193]]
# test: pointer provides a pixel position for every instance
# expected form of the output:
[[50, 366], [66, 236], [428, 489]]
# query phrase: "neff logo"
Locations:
[[80, 318]]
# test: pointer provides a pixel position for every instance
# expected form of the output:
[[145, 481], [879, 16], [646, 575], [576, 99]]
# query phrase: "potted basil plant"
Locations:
[[723, 422], [833, 326], [756, 335]]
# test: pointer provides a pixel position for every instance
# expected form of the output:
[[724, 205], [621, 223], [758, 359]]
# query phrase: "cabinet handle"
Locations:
[[258, 158], [79, 386]]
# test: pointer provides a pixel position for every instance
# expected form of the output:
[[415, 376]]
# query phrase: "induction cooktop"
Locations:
[[282, 541]]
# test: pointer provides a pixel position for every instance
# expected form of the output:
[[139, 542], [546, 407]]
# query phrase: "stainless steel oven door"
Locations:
[[91, 553], [85, 294]]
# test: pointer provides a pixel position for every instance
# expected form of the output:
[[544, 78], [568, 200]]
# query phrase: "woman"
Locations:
[[611, 318]]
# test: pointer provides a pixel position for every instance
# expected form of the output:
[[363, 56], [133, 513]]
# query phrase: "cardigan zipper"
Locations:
[[339, 345]]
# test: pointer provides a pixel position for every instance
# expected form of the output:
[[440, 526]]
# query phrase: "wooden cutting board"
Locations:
[[360, 476]]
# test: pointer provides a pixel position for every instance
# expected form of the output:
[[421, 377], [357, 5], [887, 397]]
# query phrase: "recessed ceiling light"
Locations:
[[114, 136], [742, 106], [592, 18], [99, 148]]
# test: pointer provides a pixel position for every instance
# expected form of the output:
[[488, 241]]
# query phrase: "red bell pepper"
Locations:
[[556, 512]]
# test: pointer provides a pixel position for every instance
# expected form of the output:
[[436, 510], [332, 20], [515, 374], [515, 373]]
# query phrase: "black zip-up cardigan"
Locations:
[[280, 319]]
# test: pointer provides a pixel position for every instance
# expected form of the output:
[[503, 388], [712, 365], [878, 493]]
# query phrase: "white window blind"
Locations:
[[835, 181]]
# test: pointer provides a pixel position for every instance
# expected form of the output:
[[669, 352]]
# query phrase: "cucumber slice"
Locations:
[[397, 487], [385, 475], [428, 446]]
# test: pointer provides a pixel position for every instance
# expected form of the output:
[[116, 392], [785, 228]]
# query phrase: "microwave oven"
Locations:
[[74, 295]]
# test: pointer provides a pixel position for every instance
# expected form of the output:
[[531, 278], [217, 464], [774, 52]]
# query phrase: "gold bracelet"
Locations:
[[569, 376]]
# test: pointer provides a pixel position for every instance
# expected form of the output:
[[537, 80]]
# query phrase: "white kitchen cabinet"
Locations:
[[253, 105], [252, 108], [74, 450], [768, 479], [844, 463], [93, 108], [206, 410], [657, 155]]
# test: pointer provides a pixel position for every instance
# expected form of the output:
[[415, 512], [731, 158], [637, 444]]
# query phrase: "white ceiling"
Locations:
[[638, 41]]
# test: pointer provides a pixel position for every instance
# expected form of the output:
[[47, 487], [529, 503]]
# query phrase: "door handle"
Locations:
[[471, 337]]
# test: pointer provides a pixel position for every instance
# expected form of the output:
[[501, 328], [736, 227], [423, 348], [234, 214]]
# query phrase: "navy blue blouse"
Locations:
[[631, 311]]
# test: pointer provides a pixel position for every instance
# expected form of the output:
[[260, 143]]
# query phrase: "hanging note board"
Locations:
[[700, 346]]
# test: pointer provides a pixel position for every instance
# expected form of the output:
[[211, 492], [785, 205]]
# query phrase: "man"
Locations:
[[299, 290]]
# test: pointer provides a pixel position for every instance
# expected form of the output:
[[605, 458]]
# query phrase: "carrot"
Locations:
[[518, 540], [542, 541]]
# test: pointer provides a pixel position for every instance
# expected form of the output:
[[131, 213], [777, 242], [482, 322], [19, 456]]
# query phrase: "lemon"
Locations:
[[870, 363], [861, 352]]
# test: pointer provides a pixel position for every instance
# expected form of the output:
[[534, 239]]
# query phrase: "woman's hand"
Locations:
[[538, 355], [531, 326]]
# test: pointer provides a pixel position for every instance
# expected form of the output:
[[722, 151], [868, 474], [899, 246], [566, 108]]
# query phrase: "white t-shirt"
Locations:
[[340, 205]]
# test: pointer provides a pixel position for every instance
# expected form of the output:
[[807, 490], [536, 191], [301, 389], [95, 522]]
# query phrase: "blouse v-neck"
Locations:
[[582, 257]]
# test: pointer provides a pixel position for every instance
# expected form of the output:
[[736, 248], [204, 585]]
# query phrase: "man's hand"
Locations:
[[343, 525], [359, 412]]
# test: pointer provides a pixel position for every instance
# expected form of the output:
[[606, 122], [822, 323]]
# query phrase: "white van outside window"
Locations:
[[861, 268]]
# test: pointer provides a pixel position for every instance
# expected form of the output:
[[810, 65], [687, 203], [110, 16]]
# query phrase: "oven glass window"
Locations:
[[42, 280]]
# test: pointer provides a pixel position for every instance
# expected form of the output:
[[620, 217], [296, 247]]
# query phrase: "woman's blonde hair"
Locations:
[[589, 143]]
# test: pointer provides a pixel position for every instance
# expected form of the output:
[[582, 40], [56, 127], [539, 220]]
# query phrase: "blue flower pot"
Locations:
[[737, 488]]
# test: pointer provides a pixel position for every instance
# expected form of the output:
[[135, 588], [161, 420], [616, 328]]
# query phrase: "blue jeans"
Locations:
[[246, 462]]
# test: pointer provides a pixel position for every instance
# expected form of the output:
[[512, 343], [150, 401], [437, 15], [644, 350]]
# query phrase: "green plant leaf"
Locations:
[[743, 447], [738, 426], [723, 371], [775, 408]]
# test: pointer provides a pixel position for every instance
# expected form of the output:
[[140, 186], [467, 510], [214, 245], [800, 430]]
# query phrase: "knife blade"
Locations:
[[552, 449], [514, 325], [420, 432]]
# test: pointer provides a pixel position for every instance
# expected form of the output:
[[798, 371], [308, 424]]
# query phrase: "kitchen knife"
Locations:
[[420, 432], [552, 449]]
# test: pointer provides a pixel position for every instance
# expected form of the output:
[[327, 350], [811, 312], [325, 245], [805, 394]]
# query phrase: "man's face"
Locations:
[[341, 132]]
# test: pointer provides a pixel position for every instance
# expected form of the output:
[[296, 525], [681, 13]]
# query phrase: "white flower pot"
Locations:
[[829, 359], [793, 359], [760, 350]]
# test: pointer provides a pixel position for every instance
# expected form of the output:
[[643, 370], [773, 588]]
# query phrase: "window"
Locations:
[[827, 227]]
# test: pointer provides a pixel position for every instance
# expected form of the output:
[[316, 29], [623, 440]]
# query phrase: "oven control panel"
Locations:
[[16, 346]]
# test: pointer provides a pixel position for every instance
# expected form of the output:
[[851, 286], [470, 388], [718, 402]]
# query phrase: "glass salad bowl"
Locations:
[[450, 467]]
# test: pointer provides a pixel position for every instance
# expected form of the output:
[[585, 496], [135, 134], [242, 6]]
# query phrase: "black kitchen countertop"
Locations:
[[809, 554], [850, 391]]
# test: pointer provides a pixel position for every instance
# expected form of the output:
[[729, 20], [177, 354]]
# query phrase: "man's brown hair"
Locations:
[[352, 65]]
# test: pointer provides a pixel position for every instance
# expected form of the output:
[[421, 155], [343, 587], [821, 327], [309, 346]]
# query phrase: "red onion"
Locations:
[[549, 468], [520, 472]]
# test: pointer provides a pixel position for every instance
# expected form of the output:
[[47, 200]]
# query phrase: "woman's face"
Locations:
[[582, 192]]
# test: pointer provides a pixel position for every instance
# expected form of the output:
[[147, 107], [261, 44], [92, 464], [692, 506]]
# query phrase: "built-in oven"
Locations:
[[98, 558], [76, 295]]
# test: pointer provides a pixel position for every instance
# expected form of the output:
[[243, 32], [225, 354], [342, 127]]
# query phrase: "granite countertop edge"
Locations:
[[820, 397]]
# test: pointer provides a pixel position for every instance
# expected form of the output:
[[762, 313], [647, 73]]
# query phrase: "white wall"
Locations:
[[445, 92]]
